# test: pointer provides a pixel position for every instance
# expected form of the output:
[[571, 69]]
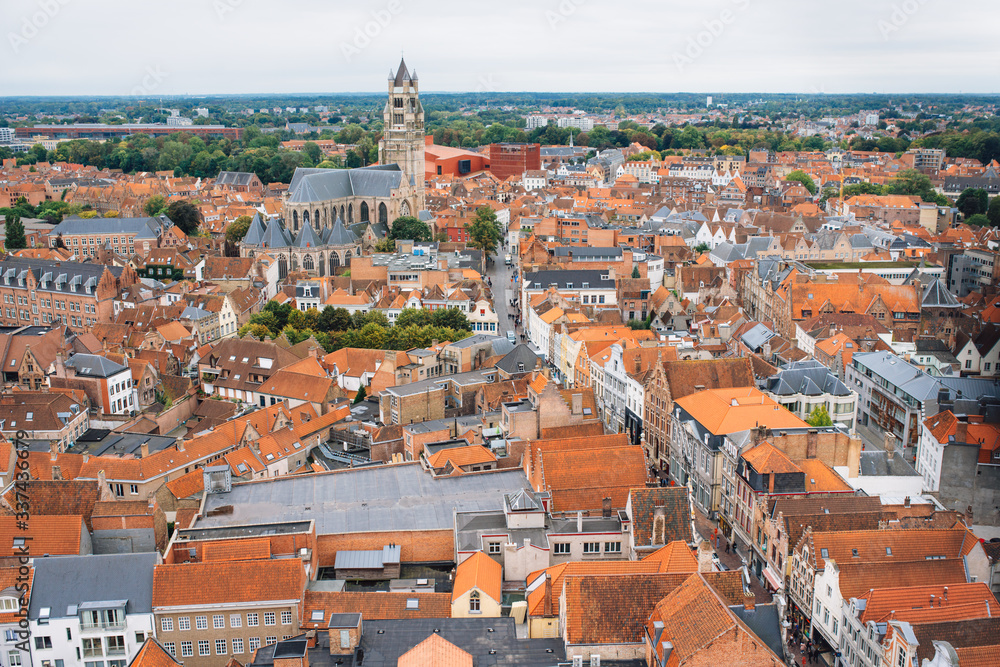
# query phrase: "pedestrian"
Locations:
[[727, 547], [802, 651]]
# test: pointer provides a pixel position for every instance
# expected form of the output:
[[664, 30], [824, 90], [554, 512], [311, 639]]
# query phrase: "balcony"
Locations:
[[102, 626]]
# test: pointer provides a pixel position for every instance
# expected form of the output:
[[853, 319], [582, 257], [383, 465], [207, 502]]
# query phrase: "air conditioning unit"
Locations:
[[595, 661], [577, 661]]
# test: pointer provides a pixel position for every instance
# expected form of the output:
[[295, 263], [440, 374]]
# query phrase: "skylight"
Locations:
[[316, 615]]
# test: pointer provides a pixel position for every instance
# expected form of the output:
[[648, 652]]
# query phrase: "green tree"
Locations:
[[259, 331], [14, 232], [280, 311], [452, 318], [701, 247], [803, 178], [819, 417], [978, 220], [635, 271], [407, 227], [362, 393], [185, 216], [972, 201], [385, 245], [155, 205], [237, 229], [993, 212], [484, 232], [313, 150], [419, 317]]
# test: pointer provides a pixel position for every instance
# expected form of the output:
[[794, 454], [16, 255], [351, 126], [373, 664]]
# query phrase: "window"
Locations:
[[613, 547], [167, 624], [270, 640], [253, 643], [237, 646], [591, 547], [133, 489], [183, 622], [187, 649], [835, 624], [204, 647], [252, 621], [170, 648], [235, 621], [474, 602], [92, 648], [201, 622], [494, 547], [140, 637], [43, 643], [268, 618], [218, 621], [116, 645], [286, 618], [220, 647]]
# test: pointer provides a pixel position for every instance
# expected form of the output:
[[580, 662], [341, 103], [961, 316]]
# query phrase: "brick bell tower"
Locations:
[[402, 140]]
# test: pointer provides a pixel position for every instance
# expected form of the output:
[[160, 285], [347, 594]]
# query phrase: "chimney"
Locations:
[[54, 450], [577, 404], [579, 521], [606, 508], [547, 610], [906, 501], [749, 599], [890, 444], [659, 534], [180, 444], [968, 515], [57, 473], [667, 651], [86, 457], [144, 450], [102, 482], [945, 593]]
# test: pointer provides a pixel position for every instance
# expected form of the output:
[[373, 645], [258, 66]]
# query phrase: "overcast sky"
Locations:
[[114, 47]]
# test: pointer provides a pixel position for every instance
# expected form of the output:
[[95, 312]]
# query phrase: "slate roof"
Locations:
[[674, 500], [307, 237], [143, 228], [808, 377], [936, 295], [255, 233], [95, 578], [276, 236], [320, 185], [960, 634], [92, 365], [563, 279], [341, 235], [521, 354]]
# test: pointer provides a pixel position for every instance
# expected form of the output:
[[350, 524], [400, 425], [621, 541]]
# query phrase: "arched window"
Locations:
[[334, 262], [307, 263], [282, 267], [305, 218], [316, 217], [342, 214], [364, 211], [295, 220], [474, 601], [347, 258], [350, 214], [383, 214], [404, 208]]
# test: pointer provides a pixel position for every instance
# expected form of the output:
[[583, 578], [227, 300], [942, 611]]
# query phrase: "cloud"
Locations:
[[106, 47]]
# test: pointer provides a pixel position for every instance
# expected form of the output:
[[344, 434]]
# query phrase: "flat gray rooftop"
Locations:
[[380, 498]]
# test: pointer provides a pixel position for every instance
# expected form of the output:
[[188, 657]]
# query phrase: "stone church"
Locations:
[[332, 215]]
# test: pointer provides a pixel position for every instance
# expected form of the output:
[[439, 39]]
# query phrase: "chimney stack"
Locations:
[[749, 599], [144, 449], [547, 610], [54, 450], [579, 521], [180, 444], [606, 508]]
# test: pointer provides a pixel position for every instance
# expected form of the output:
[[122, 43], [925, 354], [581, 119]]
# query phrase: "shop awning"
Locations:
[[772, 578]]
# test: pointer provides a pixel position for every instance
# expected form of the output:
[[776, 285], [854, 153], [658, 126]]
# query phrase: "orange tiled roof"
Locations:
[[478, 571], [187, 485], [462, 456], [724, 411], [151, 654], [228, 582], [9, 579], [435, 651], [373, 605], [536, 586], [676, 557], [926, 604], [56, 535]]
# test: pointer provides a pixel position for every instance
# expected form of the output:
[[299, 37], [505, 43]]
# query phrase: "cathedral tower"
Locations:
[[402, 140]]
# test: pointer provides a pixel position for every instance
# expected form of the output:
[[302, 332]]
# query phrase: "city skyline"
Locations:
[[221, 47]]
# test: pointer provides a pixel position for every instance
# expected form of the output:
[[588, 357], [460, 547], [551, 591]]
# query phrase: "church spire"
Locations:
[[402, 74]]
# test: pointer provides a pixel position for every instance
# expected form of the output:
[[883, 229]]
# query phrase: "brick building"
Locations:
[[42, 292], [207, 612], [508, 160]]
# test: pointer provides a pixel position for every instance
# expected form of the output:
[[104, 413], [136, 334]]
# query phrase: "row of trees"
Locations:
[[335, 328]]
